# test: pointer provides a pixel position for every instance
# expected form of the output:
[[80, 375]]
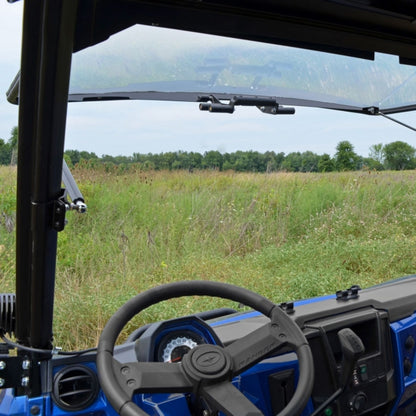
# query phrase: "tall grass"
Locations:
[[7, 236], [287, 236]]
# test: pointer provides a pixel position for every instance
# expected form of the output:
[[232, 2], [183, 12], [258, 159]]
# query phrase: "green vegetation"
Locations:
[[285, 235], [394, 156], [8, 150], [397, 155]]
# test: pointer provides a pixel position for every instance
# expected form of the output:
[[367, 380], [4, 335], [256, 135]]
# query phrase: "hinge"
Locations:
[[59, 211]]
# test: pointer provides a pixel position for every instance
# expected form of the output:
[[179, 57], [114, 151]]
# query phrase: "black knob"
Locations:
[[407, 366], [352, 348], [358, 402], [409, 343]]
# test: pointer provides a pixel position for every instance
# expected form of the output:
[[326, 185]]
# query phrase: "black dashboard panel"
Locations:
[[371, 383]]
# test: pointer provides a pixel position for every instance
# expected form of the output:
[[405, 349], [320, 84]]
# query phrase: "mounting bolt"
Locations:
[[35, 410], [25, 381], [2, 365], [25, 364]]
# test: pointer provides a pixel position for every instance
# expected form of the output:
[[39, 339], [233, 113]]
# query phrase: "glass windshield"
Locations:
[[154, 63]]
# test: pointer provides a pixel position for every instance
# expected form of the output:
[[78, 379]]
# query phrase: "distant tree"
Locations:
[[154, 160], [75, 156], [14, 137], [185, 160], [105, 159], [372, 164], [280, 157], [376, 153], [359, 162], [5, 153], [345, 156], [141, 158], [326, 163], [399, 156], [257, 161], [166, 160], [116, 160], [228, 161], [273, 161], [212, 160], [241, 162], [195, 160], [292, 162], [87, 155], [309, 162]]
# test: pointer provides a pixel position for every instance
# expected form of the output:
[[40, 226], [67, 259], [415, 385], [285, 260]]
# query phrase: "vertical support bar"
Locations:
[[42, 115], [28, 110]]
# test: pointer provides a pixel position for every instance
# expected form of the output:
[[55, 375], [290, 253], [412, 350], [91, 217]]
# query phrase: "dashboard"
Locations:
[[380, 379]]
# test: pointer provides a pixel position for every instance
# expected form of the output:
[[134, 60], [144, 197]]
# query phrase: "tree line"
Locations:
[[397, 155]]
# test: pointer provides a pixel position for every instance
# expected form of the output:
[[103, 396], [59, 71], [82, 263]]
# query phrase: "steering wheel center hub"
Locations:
[[207, 362]]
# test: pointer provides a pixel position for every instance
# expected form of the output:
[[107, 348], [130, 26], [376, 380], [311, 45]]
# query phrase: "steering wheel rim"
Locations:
[[119, 381]]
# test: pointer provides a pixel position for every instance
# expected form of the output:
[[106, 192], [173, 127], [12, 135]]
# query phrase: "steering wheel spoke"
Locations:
[[228, 399], [151, 377], [269, 338], [254, 347]]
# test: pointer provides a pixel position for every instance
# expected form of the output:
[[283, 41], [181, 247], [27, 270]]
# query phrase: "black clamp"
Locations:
[[266, 105], [351, 293], [288, 307]]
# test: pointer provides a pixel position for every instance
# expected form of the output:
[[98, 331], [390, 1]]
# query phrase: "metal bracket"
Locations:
[[59, 210], [16, 372]]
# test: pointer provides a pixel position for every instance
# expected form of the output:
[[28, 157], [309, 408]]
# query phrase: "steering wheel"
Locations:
[[206, 370]]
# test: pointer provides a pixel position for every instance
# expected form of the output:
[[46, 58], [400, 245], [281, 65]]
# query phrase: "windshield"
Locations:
[[154, 63]]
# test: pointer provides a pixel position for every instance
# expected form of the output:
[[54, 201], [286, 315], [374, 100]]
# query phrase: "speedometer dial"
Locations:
[[176, 344]]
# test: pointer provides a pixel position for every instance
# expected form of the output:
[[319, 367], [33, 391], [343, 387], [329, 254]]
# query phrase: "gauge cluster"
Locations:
[[169, 341], [176, 344]]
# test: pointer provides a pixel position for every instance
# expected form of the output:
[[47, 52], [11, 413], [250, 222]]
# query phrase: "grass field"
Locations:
[[287, 236]]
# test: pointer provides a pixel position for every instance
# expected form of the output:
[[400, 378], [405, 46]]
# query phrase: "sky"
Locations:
[[127, 127]]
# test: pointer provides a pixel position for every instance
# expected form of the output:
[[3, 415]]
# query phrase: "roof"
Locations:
[[351, 27]]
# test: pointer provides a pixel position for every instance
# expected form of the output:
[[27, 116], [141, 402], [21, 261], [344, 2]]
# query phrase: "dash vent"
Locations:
[[75, 388]]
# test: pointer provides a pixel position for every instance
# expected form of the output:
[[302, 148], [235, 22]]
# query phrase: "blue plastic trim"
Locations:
[[400, 331]]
